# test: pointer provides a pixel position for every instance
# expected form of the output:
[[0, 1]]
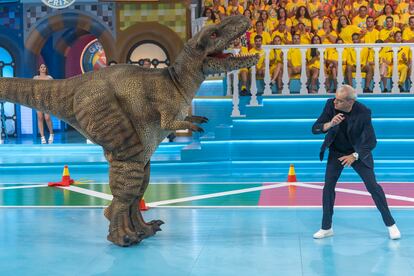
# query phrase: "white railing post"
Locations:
[[340, 73], [236, 100], [358, 75], [285, 76], [303, 76], [253, 87], [228, 83], [395, 88], [377, 77], [412, 71], [322, 78], [267, 89]]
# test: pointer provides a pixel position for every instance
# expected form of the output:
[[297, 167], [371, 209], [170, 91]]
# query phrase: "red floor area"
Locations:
[[308, 196]]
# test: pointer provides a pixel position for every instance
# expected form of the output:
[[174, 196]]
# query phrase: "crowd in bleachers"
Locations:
[[295, 22]]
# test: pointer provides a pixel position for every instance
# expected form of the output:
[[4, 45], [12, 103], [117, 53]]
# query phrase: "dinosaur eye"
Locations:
[[213, 35]]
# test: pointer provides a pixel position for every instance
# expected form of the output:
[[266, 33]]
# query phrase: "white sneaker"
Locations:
[[323, 234], [43, 140], [394, 232], [51, 138]]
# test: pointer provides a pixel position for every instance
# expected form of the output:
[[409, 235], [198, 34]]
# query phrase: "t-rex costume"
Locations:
[[129, 110]]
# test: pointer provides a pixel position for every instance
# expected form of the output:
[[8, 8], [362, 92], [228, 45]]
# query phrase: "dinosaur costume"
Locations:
[[129, 110]]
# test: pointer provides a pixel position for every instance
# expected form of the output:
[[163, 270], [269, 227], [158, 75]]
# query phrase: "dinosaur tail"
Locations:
[[51, 96]]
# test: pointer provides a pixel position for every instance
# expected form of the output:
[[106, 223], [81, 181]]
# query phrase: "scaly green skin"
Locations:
[[129, 110]]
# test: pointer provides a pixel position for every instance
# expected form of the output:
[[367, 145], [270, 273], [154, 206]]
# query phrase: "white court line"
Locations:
[[87, 192], [178, 200], [198, 207], [52, 207], [23, 187], [357, 192], [213, 195]]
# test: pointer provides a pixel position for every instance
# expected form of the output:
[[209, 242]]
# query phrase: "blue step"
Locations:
[[311, 107], [274, 129], [269, 150]]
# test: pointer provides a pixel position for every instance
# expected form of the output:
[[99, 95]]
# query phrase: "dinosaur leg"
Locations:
[[150, 228], [125, 178], [101, 117]]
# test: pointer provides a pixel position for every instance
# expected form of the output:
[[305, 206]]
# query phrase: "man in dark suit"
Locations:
[[350, 138]]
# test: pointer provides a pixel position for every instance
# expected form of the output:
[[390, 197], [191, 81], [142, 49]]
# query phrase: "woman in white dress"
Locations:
[[43, 75]]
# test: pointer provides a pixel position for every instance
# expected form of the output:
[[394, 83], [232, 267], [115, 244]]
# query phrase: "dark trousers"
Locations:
[[333, 172]]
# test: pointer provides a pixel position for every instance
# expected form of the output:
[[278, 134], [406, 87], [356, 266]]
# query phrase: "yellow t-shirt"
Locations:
[[371, 36], [322, 32], [356, 5], [288, 22], [312, 64], [295, 57], [305, 21], [385, 33], [366, 56], [305, 38], [277, 56], [404, 50], [347, 32], [312, 8], [385, 54], [261, 53], [286, 36], [382, 23], [404, 18], [317, 23], [379, 7], [407, 34], [269, 26], [290, 5], [266, 39], [360, 22], [231, 9], [402, 8], [333, 55]]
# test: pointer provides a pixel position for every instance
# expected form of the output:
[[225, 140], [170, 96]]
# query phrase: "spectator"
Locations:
[[266, 38], [313, 65], [257, 49], [211, 17], [387, 33], [378, 8], [305, 34], [408, 34], [282, 15], [345, 30], [235, 8], [276, 69], [366, 62], [388, 11], [302, 16], [267, 23], [404, 60], [218, 8], [313, 7], [283, 32], [294, 58], [405, 18], [237, 45], [385, 62], [317, 22], [361, 19], [372, 34]]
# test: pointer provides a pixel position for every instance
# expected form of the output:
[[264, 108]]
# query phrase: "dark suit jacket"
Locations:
[[360, 130]]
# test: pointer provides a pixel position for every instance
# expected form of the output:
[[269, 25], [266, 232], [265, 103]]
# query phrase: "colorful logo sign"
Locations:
[[93, 57], [58, 4]]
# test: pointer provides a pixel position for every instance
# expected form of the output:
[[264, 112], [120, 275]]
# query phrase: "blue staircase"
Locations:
[[278, 133]]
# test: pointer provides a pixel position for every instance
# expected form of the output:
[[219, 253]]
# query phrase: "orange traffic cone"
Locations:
[[292, 178], [66, 180], [291, 174], [142, 205]]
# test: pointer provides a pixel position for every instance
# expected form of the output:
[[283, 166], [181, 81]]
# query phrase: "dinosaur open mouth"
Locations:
[[220, 55]]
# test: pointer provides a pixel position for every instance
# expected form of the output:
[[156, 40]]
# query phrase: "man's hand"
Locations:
[[347, 160], [335, 121]]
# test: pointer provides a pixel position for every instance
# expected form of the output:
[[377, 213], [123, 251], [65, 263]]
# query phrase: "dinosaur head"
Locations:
[[212, 40]]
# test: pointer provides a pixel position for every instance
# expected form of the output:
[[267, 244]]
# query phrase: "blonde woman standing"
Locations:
[[43, 75]]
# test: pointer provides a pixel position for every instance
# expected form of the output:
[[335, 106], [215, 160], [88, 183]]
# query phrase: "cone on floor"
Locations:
[[142, 205], [291, 174], [66, 180]]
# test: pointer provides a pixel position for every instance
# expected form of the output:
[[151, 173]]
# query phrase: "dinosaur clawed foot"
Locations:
[[149, 229], [121, 230]]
